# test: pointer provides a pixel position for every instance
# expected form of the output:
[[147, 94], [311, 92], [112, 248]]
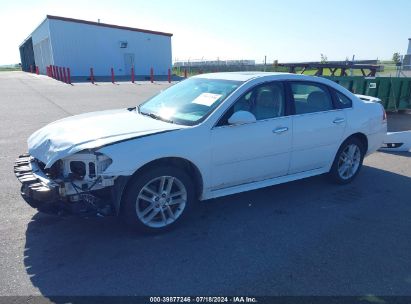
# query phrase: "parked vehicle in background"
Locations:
[[208, 136], [399, 141], [368, 98]]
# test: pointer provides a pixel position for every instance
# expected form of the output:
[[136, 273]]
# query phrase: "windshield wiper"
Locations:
[[158, 117]]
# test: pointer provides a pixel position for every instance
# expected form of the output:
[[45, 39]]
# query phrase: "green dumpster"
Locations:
[[394, 92]]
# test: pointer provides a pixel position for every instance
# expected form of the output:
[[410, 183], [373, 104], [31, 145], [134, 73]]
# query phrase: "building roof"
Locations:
[[108, 25]]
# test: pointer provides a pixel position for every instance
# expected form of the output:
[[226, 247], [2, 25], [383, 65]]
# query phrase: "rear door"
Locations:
[[318, 126]]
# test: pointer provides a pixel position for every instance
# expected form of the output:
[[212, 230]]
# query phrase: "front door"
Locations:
[[255, 151]]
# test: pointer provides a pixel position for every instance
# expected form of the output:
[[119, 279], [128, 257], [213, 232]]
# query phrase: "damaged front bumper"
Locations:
[[37, 190], [47, 195]]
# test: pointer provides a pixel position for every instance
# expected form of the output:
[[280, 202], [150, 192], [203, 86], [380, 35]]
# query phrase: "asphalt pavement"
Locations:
[[308, 237]]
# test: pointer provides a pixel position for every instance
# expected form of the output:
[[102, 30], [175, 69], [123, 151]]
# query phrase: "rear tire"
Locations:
[[348, 161], [158, 199]]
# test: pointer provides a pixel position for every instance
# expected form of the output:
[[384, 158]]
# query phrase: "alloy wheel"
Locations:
[[161, 201], [349, 161]]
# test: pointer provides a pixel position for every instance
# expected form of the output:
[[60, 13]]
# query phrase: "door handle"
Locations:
[[339, 120], [280, 130]]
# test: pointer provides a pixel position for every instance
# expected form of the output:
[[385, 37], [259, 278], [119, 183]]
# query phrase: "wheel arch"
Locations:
[[178, 162], [362, 138], [334, 166]]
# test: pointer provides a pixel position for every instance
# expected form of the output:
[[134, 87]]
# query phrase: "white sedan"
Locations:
[[208, 136]]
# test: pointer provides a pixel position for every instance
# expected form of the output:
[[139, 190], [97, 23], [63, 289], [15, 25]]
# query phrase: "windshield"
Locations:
[[190, 101]]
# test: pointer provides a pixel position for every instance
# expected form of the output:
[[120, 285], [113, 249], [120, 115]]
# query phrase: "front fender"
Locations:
[[129, 156]]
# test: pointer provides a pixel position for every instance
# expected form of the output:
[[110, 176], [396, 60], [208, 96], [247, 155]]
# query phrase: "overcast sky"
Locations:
[[289, 31]]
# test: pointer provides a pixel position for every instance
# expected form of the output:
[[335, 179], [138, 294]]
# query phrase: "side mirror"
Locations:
[[241, 118]]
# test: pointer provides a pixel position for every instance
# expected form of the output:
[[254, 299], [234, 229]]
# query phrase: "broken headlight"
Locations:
[[86, 165], [78, 169]]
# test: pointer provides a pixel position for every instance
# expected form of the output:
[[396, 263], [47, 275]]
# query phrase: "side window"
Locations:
[[264, 101], [343, 101], [310, 98]]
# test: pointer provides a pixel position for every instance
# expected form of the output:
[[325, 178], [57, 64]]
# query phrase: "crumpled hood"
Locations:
[[91, 130]]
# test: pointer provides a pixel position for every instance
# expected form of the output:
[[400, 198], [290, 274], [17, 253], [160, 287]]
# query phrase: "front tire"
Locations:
[[158, 199], [348, 161]]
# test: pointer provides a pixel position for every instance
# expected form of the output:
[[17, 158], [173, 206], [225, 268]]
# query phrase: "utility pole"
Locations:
[[352, 62]]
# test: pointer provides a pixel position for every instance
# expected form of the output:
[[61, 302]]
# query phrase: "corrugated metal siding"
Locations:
[[42, 54], [80, 46], [42, 46]]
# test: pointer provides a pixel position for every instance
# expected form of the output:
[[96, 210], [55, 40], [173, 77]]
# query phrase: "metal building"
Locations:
[[80, 45]]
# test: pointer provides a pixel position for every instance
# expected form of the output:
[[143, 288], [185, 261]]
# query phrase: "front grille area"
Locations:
[[33, 189]]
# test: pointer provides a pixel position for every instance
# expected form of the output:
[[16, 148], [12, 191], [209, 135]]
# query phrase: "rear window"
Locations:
[[343, 101]]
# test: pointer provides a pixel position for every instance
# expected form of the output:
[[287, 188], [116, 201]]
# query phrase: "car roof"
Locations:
[[237, 76], [269, 76], [246, 76]]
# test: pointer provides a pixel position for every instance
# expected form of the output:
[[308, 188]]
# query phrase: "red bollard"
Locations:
[[112, 75], [152, 75], [31, 68], [37, 70], [169, 76], [68, 76], [132, 75], [64, 75], [61, 73], [185, 73], [92, 75]]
